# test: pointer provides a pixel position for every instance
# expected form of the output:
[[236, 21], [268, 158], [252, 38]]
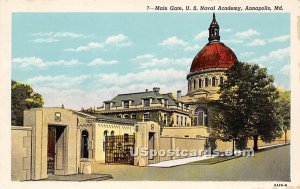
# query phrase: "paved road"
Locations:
[[268, 165]]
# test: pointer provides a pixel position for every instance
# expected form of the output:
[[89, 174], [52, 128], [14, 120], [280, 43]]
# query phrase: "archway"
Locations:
[[202, 118], [84, 144]]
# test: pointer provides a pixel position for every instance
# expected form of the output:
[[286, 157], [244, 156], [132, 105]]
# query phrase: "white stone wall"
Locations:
[[21, 153]]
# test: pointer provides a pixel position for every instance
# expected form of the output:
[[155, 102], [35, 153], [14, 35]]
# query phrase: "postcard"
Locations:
[[191, 94]]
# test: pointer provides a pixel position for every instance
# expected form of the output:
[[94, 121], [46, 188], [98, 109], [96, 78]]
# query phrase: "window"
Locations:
[[104, 139], [221, 80], [119, 116], [133, 116], [181, 121], [201, 114], [107, 106], [200, 83], [177, 120], [165, 119], [146, 102], [126, 137], [206, 82], [213, 81], [126, 104], [146, 116], [195, 84], [185, 120], [126, 116], [112, 133], [165, 103]]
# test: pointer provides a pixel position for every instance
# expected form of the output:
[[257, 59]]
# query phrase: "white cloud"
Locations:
[[144, 56], [235, 41], [89, 46], [173, 41], [50, 37], [40, 63], [29, 61], [59, 34], [118, 40], [286, 69], [99, 61], [256, 42], [281, 38], [59, 81], [145, 76], [75, 98], [201, 35], [45, 40], [148, 61], [274, 56], [226, 30], [192, 48], [246, 54], [246, 34]]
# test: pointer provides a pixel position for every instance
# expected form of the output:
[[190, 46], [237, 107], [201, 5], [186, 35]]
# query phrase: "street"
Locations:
[[269, 165]]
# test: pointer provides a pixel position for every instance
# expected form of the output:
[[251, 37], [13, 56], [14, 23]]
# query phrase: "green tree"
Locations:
[[283, 111], [23, 98], [250, 100]]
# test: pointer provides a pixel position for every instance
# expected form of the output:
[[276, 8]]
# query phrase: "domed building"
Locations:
[[207, 72]]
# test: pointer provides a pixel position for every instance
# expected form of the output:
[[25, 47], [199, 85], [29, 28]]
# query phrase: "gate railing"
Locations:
[[117, 149]]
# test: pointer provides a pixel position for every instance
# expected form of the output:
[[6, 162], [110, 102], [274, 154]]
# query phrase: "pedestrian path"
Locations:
[[176, 162]]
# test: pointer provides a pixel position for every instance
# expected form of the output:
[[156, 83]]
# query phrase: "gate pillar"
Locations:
[[147, 137]]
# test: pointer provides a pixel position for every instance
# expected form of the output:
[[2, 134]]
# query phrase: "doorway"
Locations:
[[151, 146], [56, 148], [84, 144]]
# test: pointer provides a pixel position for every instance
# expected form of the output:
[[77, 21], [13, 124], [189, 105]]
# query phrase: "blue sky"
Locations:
[[83, 59]]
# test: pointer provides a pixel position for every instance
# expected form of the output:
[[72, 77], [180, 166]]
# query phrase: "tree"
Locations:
[[283, 111], [250, 100], [228, 125], [23, 98]]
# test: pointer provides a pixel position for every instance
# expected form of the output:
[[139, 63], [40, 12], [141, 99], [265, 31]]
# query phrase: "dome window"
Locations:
[[221, 80], [206, 82], [213, 81], [200, 83]]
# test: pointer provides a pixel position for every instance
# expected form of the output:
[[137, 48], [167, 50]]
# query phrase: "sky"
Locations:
[[83, 59]]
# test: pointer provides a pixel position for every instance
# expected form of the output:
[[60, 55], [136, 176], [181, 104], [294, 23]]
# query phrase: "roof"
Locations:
[[137, 98], [103, 118], [213, 55]]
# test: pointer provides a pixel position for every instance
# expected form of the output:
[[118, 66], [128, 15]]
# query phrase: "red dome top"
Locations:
[[213, 55]]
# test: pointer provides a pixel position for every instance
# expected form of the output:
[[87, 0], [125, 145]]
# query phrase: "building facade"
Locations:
[[61, 141], [149, 106], [207, 72]]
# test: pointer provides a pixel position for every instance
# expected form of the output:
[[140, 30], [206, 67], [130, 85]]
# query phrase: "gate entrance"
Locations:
[[117, 149], [56, 149]]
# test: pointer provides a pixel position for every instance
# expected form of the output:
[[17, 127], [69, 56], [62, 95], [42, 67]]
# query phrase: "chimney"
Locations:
[[156, 89], [146, 90], [179, 95]]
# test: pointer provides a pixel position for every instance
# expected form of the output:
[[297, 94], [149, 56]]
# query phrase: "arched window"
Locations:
[[221, 80], [206, 82], [112, 133], [104, 139], [202, 118], [84, 144], [195, 84], [213, 81]]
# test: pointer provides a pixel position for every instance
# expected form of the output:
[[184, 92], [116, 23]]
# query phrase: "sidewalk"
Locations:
[[176, 162], [78, 177]]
